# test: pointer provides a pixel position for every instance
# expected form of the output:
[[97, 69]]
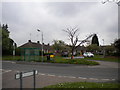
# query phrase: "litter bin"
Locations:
[[48, 57]]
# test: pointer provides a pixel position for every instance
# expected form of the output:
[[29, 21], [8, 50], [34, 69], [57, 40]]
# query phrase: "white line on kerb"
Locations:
[[105, 79], [82, 78], [50, 75], [13, 62], [71, 77], [5, 71], [41, 74], [65, 76], [93, 78], [60, 76], [113, 79]]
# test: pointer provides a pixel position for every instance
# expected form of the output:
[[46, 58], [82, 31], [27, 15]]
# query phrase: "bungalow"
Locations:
[[31, 50]]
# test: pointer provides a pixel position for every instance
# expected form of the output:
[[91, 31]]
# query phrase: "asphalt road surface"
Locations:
[[50, 73]]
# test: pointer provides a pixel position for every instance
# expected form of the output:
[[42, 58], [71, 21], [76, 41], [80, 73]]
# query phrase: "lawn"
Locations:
[[11, 58], [74, 61], [57, 59], [84, 85], [106, 58]]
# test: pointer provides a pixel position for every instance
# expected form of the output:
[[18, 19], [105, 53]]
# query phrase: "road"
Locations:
[[107, 71]]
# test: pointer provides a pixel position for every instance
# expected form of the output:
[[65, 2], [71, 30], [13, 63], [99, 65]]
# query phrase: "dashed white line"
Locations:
[[93, 78], [50, 75], [60, 76], [5, 71], [71, 77], [113, 79], [9, 61], [41, 74], [105, 79], [65, 76], [13, 62], [76, 77], [82, 78]]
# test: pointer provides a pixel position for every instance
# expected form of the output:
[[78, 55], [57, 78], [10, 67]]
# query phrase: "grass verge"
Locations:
[[84, 85], [74, 61], [106, 58], [56, 59]]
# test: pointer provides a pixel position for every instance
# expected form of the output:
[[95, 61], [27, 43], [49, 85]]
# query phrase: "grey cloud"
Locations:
[[51, 18]]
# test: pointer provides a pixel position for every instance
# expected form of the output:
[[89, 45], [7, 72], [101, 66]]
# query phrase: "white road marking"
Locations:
[[75, 77], [113, 79], [9, 61], [105, 79], [5, 71], [82, 78], [50, 75], [17, 71], [93, 78], [60, 76], [41, 74], [13, 62], [65, 76], [71, 77]]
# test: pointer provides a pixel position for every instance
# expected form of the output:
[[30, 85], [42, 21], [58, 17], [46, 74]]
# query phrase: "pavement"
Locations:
[[51, 73]]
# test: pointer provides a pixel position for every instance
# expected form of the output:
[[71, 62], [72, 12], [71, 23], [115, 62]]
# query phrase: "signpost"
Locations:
[[26, 74]]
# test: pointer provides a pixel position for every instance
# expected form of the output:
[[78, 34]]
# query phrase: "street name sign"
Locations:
[[25, 74]]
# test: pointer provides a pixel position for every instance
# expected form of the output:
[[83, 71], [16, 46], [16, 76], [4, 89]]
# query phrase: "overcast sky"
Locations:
[[24, 18]]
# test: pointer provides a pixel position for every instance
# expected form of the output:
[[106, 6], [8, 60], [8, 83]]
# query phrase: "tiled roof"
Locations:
[[31, 45], [35, 45]]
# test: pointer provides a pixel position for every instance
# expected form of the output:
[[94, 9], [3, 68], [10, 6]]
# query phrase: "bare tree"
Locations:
[[73, 36]]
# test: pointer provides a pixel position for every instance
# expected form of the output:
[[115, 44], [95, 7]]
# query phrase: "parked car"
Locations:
[[64, 54], [88, 54]]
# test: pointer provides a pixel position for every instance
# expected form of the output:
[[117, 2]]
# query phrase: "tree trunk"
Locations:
[[72, 53]]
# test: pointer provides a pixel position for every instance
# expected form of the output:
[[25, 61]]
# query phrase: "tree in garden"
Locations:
[[7, 42], [117, 45], [73, 36], [93, 48], [109, 50], [58, 45], [95, 40]]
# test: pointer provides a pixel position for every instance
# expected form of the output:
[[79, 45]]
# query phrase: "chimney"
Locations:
[[38, 42], [29, 40]]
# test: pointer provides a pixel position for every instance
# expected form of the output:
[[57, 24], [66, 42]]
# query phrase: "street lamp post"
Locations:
[[103, 49], [42, 42], [14, 46]]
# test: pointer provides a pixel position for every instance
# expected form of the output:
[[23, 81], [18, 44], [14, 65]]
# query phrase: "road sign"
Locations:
[[25, 74]]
